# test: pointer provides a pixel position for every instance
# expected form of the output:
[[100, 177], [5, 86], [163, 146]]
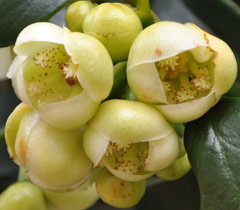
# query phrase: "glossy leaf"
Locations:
[[235, 90], [15, 15], [213, 146], [223, 16]]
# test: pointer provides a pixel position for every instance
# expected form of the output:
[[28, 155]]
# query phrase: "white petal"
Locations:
[[5, 60], [37, 37], [16, 73], [188, 111], [95, 71], [69, 114], [146, 84], [95, 144], [162, 152], [163, 40]]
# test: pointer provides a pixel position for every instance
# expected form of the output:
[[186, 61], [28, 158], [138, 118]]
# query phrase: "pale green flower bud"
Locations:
[[117, 192], [63, 75], [115, 25], [54, 159], [175, 171], [22, 196], [76, 13], [131, 139], [77, 199], [180, 69]]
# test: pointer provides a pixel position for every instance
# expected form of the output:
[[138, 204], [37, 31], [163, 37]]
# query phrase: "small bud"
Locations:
[[117, 192], [76, 13], [115, 25], [177, 170], [77, 199], [22, 195]]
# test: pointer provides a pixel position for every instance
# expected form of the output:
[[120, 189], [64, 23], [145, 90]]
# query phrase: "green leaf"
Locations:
[[213, 146], [15, 15], [235, 90], [223, 16]]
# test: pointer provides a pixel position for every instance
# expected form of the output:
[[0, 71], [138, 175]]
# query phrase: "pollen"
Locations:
[[183, 78], [128, 158], [50, 76]]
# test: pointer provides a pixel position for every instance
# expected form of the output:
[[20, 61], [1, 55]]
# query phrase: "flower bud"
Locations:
[[182, 70], [115, 25], [76, 13], [77, 199], [22, 195], [117, 192], [54, 159], [120, 137], [177, 170], [63, 75]]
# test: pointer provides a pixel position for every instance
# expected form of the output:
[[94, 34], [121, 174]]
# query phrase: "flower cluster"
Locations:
[[67, 136]]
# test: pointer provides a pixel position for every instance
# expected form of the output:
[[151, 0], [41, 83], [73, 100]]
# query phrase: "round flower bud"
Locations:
[[177, 170], [63, 75], [54, 159], [22, 196], [182, 70], [117, 192], [131, 139], [115, 25], [76, 13], [77, 199]]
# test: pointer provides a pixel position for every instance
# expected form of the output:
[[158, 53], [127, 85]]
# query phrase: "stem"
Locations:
[[155, 17], [144, 5]]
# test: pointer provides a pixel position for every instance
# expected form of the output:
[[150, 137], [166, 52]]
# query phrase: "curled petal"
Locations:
[[185, 112], [162, 153], [86, 51], [38, 36], [76, 111]]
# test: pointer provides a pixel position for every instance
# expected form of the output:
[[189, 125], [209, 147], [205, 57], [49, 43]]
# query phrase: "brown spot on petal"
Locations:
[[206, 39], [158, 52]]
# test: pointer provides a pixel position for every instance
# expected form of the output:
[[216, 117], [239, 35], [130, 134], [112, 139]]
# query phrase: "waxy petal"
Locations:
[[95, 72], [38, 36], [162, 153], [69, 114], [185, 112]]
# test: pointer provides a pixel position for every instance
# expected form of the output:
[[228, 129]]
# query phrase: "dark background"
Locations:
[[178, 195]]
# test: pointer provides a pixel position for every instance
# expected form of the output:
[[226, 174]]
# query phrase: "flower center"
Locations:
[[50, 76], [129, 158], [183, 78]]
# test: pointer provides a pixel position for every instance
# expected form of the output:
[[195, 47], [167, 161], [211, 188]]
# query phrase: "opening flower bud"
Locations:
[[117, 192], [120, 138], [54, 159], [22, 195], [63, 75], [76, 13], [115, 25], [182, 70]]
